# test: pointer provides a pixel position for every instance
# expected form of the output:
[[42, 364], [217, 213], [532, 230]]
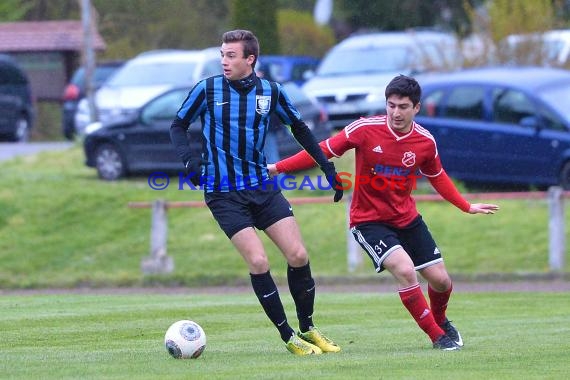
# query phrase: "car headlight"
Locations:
[[375, 97], [117, 114], [90, 128]]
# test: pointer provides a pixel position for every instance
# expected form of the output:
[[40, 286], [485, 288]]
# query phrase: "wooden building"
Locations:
[[49, 52]]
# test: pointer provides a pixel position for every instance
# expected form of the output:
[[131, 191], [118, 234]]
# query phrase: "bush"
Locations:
[[300, 35]]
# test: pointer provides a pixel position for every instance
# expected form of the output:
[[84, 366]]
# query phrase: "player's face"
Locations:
[[401, 113], [234, 63]]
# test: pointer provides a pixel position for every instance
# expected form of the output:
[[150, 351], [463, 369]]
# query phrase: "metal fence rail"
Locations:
[[159, 262]]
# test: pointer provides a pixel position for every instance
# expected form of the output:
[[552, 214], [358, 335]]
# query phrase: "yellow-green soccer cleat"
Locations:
[[317, 338], [298, 346]]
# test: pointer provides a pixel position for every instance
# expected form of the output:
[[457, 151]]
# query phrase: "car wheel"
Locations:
[[109, 162], [565, 176], [22, 130]]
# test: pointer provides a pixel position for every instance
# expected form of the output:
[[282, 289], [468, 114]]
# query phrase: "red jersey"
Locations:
[[388, 165]]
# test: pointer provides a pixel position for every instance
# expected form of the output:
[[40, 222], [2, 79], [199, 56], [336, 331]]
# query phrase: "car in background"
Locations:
[[501, 126], [287, 68], [550, 48], [145, 76], [17, 110], [75, 90], [143, 144], [351, 79]]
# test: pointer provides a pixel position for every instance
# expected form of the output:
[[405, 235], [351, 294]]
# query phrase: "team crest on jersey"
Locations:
[[409, 159], [262, 104]]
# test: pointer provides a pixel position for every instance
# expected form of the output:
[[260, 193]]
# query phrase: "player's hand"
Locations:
[[483, 208], [334, 181], [194, 169], [272, 169]]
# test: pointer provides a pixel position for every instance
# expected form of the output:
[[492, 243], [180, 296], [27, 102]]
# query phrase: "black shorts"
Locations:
[[236, 210], [379, 240]]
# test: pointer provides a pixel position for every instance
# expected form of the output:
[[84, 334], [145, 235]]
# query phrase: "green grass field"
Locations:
[[62, 227], [507, 336]]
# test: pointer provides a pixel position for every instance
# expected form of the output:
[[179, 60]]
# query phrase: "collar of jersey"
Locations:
[[244, 84]]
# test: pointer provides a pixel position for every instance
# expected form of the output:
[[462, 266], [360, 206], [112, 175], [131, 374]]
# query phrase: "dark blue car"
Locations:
[[504, 126], [287, 68]]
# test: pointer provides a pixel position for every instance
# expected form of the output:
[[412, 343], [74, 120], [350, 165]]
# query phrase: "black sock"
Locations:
[[268, 296], [302, 287]]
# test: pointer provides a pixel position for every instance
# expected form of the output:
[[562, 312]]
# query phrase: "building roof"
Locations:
[[45, 36]]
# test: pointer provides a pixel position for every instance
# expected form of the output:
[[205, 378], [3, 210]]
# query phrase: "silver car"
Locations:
[[352, 77], [144, 77]]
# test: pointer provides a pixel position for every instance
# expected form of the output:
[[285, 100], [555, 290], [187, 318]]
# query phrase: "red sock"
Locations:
[[438, 303], [414, 300]]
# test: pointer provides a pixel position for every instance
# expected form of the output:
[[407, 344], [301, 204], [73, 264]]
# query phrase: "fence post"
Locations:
[[158, 261], [556, 228], [352, 247]]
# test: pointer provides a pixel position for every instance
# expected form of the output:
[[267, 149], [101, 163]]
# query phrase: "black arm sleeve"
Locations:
[[178, 130], [305, 137]]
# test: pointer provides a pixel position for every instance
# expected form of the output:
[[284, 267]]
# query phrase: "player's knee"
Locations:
[[409, 275], [441, 283], [404, 274], [297, 257], [258, 264]]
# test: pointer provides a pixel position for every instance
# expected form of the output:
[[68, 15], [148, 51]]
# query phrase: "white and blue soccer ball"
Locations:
[[185, 340]]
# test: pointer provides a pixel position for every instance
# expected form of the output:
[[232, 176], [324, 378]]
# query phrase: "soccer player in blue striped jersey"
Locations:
[[235, 110]]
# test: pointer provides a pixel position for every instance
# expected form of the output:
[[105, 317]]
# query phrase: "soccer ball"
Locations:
[[185, 340]]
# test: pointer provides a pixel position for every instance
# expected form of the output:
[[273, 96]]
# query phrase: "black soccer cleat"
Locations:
[[445, 343], [452, 332]]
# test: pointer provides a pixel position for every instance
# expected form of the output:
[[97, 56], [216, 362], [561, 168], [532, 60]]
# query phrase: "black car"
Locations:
[[143, 144], [16, 102], [75, 91]]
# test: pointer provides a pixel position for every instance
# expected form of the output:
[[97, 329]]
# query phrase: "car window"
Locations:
[[366, 60], [298, 71], [534, 49], [296, 94], [211, 68], [431, 104], [559, 98], [155, 73], [511, 106], [553, 49], [552, 121], [431, 57], [276, 71], [465, 102], [102, 73], [78, 77], [11, 75], [164, 107]]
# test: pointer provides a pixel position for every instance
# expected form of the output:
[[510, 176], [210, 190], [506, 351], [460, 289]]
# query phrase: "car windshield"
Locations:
[[295, 93], [9, 75], [150, 74], [101, 74], [365, 60], [558, 97], [164, 107]]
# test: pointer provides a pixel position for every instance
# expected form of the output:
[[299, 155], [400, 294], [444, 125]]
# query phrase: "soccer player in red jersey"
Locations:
[[391, 152]]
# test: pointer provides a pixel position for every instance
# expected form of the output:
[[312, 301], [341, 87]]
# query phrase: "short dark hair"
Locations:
[[403, 86], [248, 40]]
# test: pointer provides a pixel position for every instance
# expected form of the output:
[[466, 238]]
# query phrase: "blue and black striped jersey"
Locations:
[[234, 127]]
